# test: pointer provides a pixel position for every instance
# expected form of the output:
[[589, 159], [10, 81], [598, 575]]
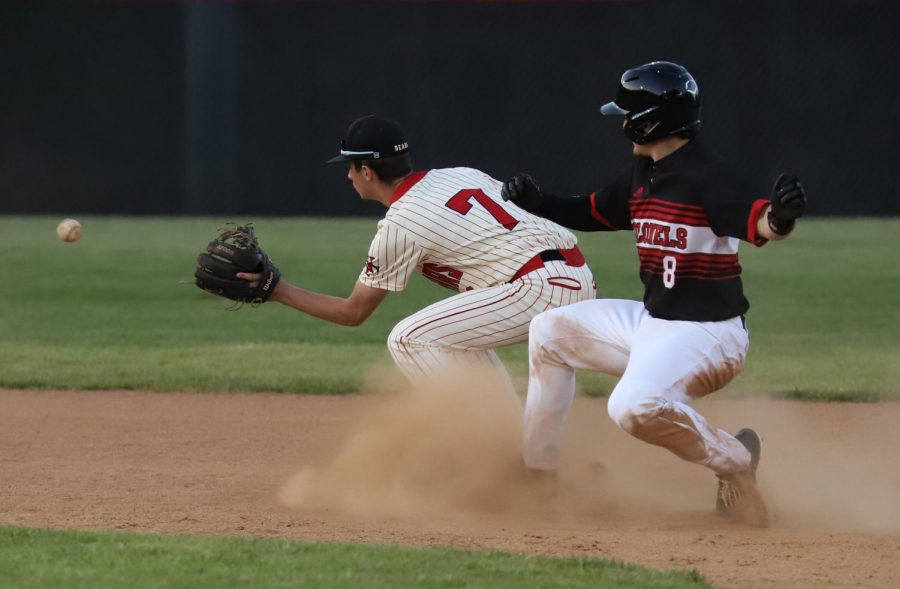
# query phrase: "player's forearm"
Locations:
[[572, 212], [330, 308]]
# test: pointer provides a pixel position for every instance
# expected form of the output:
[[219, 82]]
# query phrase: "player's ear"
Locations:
[[369, 174]]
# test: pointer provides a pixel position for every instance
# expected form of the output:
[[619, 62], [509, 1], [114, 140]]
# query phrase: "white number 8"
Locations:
[[669, 264]]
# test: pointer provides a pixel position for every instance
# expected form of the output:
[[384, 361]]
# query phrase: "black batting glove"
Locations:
[[522, 191], [788, 203]]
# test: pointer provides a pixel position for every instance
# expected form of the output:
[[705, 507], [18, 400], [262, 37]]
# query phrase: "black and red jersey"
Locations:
[[688, 212]]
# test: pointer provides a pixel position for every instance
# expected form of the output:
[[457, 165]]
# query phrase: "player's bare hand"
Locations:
[[522, 191], [788, 202], [252, 278]]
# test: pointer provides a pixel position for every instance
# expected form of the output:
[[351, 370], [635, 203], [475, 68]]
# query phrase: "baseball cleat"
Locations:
[[737, 495]]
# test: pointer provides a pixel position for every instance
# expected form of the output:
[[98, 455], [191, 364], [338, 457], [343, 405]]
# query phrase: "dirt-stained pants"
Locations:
[[664, 365]]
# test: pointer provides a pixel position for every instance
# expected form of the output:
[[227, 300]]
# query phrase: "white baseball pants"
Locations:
[[466, 327], [664, 366]]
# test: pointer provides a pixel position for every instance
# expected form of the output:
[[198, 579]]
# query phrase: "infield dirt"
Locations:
[[442, 470]]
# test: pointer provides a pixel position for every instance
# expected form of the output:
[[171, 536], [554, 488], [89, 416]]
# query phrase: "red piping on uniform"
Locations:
[[597, 215], [426, 324], [667, 204], [753, 221], [573, 257], [659, 216], [649, 209], [531, 265], [406, 184]]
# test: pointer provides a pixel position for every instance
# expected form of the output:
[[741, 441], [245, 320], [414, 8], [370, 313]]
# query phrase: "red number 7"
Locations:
[[460, 203]]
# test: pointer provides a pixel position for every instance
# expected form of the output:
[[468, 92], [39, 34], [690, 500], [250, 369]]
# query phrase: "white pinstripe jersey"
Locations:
[[453, 227]]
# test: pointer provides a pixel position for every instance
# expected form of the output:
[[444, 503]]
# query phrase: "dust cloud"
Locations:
[[452, 447], [830, 465], [449, 446]]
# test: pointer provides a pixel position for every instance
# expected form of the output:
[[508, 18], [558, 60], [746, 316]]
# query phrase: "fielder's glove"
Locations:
[[235, 250], [788, 202], [522, 191]]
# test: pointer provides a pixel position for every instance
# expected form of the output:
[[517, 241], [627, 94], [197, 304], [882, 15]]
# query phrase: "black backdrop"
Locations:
[[220, 108]]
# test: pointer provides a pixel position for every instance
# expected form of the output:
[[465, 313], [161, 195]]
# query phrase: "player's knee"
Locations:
[[397, 340], [620, 412], [403, 338], [632, 415], [540, 331]]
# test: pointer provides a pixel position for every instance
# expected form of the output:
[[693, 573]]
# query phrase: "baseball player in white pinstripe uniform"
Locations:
[[506, 265]]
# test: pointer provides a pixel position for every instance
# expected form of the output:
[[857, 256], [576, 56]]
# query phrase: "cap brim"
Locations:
[[611, 108], [338, 159]]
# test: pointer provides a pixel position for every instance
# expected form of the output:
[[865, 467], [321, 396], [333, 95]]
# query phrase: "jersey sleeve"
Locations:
[[392, 258], [732, 208], [604, 210]]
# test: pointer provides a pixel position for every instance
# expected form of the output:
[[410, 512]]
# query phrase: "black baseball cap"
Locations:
[[370, 138]]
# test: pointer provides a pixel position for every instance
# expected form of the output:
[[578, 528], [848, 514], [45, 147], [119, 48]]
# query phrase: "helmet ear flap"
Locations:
[[642, 127]]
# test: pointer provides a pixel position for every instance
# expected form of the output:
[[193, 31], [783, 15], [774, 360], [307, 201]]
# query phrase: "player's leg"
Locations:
[[672, 363], [595, 334], [440, 335], [466, 327]]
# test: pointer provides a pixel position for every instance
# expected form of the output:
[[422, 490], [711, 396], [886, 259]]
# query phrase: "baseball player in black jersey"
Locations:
[[688, 337]]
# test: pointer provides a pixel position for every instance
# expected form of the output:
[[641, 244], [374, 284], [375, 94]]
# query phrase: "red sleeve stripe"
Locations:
[[753, 220], [597, 215]]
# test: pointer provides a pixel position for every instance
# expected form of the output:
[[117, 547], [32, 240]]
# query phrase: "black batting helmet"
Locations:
[[661, 93]]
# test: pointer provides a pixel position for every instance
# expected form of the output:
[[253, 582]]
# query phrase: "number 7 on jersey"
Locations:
[[460, 202]]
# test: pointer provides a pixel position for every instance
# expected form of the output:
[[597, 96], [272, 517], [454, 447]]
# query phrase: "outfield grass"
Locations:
[[38, 559], [117, 310]]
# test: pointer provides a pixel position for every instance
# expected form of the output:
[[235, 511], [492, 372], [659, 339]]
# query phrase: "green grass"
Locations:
[[117, 310], [37, 559]]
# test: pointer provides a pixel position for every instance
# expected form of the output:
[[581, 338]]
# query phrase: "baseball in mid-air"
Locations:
[[69, 230]]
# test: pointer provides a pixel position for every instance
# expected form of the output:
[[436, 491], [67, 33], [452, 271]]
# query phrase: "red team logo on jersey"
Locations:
[[371, 268]]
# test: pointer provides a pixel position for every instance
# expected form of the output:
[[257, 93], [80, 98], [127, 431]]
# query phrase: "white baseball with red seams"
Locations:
[[453, 227]]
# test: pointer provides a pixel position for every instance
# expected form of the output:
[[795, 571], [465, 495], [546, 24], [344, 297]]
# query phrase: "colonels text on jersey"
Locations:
[[688, 213], [452, 226]]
